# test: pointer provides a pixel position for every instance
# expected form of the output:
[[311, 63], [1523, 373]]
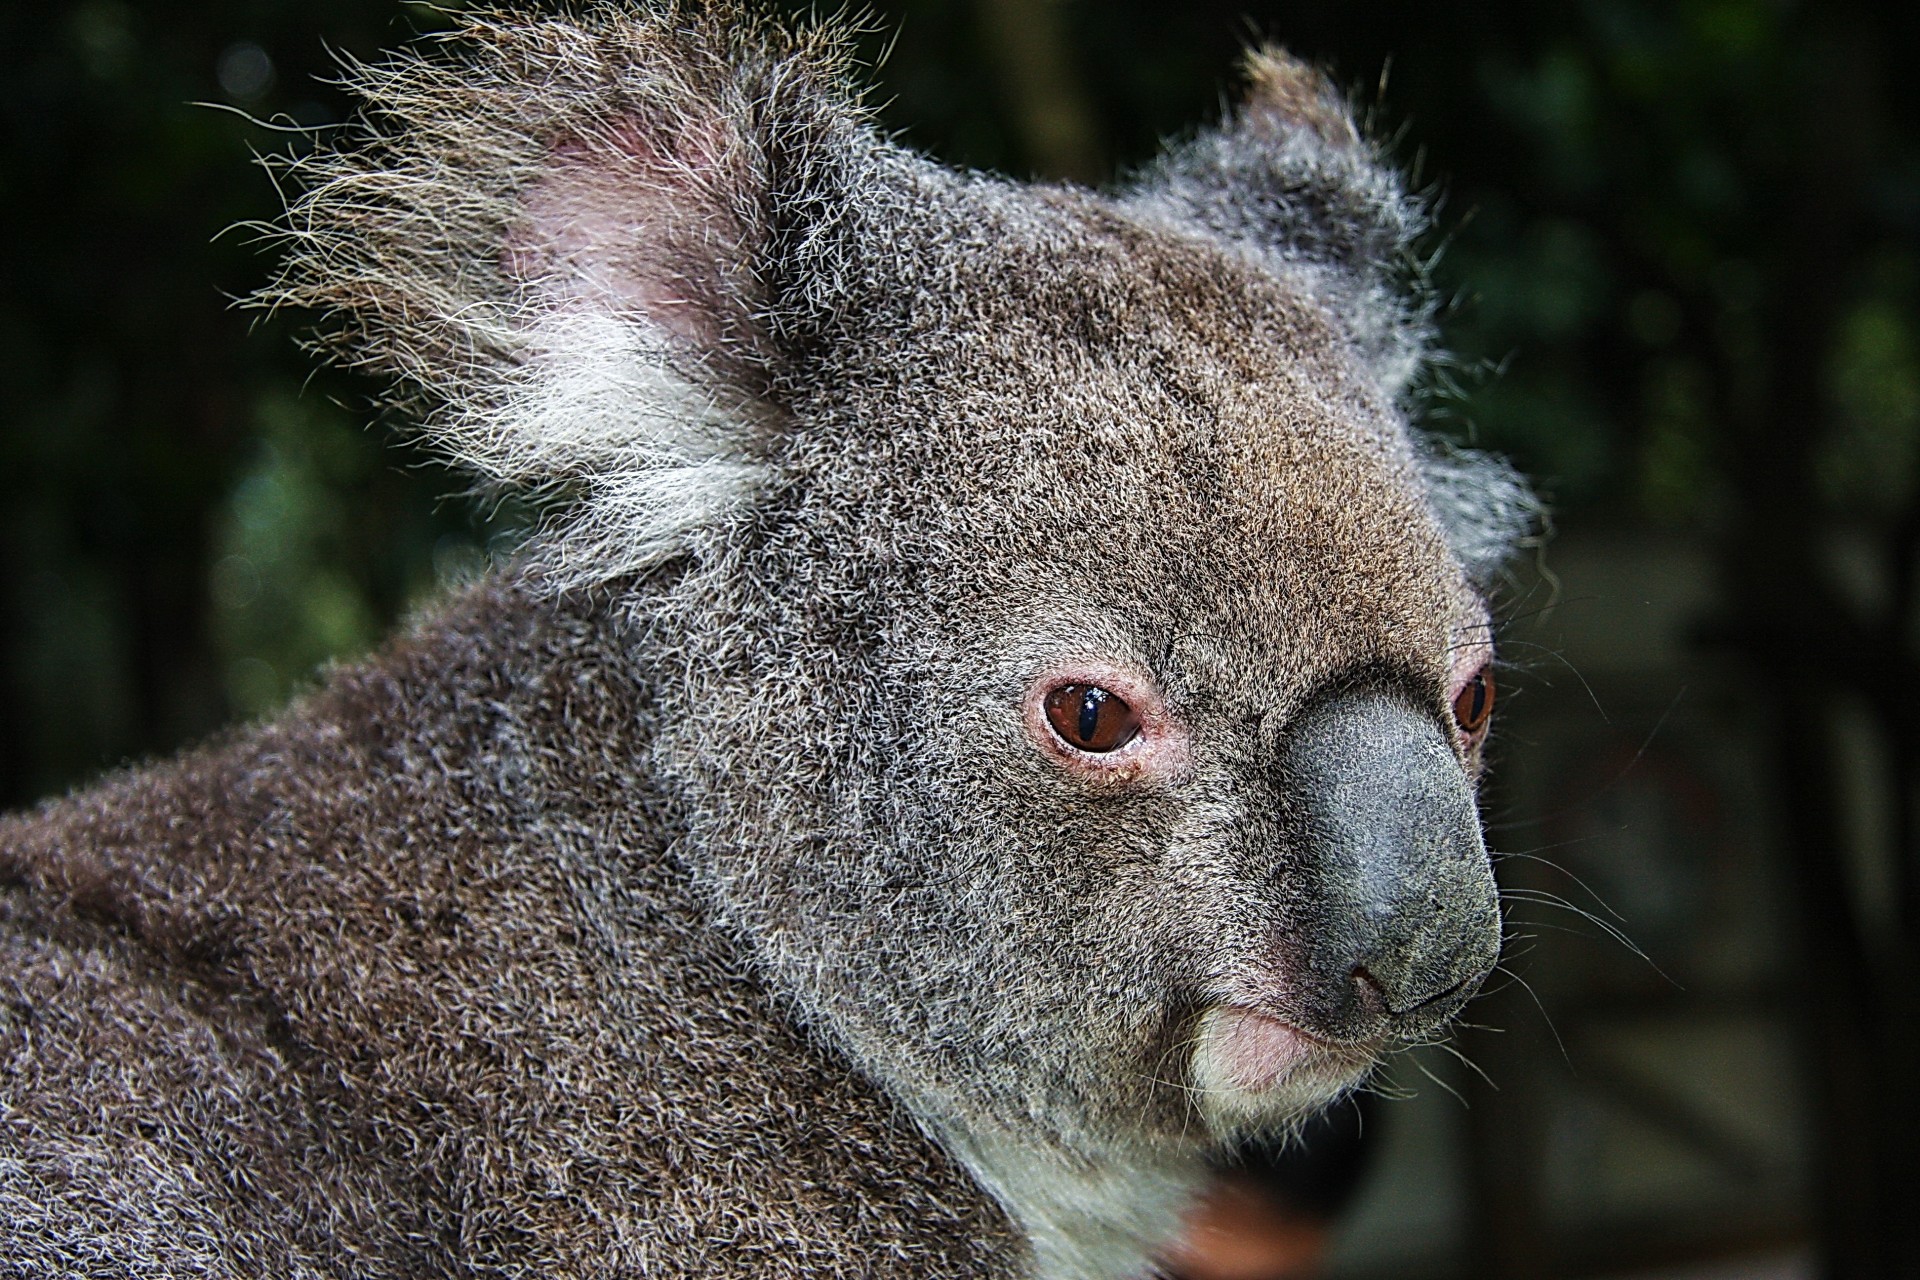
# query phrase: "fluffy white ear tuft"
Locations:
[[596, 408], [558, 236]]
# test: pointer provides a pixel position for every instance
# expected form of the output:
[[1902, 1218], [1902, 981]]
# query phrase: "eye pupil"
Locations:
[[1473, 705], [1089, 718], [1090, 712]]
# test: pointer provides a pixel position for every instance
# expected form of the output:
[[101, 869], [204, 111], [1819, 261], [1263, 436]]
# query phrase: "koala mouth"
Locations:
[[1249, 1059]]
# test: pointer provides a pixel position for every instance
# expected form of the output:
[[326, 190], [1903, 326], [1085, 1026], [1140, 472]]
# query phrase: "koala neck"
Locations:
[[1085, 1218]]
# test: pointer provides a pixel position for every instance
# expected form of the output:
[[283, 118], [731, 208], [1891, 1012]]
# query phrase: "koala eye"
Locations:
[[1473, 705], [1089, 718]]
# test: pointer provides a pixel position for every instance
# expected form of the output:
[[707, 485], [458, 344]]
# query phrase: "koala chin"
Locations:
[[992, 712]]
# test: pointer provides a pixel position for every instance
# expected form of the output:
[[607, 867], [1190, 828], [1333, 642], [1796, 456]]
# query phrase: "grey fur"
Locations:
[[706, 896], [1486, 507]]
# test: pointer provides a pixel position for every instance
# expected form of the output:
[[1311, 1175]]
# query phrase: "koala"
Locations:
[[992, 714]]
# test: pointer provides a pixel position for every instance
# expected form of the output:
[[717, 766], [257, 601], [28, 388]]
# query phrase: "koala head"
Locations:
[[1073, 664]]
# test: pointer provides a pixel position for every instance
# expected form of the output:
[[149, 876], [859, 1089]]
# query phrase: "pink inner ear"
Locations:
[[631, 221]]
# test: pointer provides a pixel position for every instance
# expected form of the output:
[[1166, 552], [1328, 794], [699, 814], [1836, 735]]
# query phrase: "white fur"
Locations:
[[1231, 1108], [595, 404], [1087, 1219]]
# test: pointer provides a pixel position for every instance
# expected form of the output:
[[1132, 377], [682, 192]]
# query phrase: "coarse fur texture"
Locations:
[[707, 893]]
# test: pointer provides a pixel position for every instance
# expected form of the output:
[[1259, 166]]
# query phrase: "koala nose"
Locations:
[[1398, 919]]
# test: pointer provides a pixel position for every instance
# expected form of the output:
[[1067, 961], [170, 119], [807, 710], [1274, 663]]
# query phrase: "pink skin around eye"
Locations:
[[1158, 751]]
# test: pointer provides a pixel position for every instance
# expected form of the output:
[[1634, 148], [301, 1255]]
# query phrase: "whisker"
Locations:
[[1421, 1067], [1551, 652], [1544, 898], [1544, 1015], [1530, 856], [1465, 1061]]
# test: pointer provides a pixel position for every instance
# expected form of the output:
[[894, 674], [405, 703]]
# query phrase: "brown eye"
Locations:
[[1473, 705], [1091, 719]]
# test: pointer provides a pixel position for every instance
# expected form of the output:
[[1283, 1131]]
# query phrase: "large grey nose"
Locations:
[[1396, 919]]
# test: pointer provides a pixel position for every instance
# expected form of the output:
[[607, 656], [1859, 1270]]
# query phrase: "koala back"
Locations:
[[403, 985]]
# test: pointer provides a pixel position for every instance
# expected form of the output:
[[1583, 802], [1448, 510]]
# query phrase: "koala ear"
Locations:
[[1289, 174], [579, 244]]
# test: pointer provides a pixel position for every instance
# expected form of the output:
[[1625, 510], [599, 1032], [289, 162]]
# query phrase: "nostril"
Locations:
[[1367, 992]]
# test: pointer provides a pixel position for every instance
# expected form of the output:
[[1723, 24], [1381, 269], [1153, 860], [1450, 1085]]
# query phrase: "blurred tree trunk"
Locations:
[[1805, 640]]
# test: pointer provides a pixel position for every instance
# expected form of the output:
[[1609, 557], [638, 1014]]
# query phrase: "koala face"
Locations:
[[1132, 644], [1070, 663]]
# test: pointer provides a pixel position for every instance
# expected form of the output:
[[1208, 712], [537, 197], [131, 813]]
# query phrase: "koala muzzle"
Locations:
[[1401, 919]]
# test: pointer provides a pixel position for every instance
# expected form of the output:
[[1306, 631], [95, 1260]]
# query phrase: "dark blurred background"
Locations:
[[1676, 246]]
